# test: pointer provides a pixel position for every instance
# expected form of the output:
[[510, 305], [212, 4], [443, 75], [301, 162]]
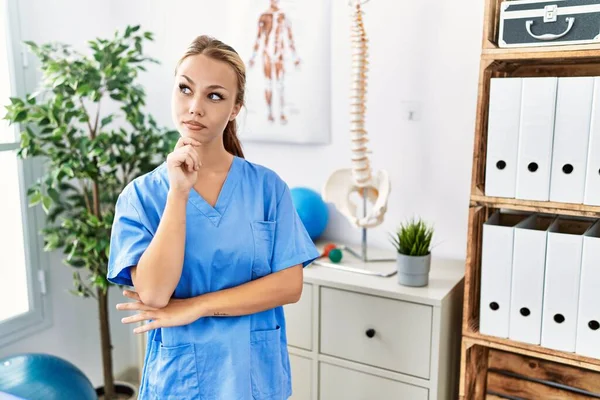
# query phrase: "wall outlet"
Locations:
[[410, 111]]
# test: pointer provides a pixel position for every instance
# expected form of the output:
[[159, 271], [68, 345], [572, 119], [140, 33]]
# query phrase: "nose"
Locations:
[[196, 108]]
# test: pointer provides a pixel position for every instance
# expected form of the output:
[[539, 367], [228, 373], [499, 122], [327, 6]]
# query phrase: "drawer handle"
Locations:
[[370, 332]]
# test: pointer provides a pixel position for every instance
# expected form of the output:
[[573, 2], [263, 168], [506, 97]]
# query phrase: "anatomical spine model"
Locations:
[[360, 178]]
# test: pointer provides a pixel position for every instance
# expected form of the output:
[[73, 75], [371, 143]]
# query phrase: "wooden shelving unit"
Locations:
[[495, 368]]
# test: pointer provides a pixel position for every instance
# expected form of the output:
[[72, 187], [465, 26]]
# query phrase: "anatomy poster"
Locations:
[[285, 45]]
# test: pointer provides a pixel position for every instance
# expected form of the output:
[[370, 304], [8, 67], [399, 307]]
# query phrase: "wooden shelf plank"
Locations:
[[574, 52], [514, 387], [544, 371], [536, 206], [576, 360]]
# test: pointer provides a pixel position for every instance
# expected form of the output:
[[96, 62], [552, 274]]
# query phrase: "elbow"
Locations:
[[295, 297], [294, 283], [156, 303], [154, 300], [295, 293], [151, 295], [289, 284]]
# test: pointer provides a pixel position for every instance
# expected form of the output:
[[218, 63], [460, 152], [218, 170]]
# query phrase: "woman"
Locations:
[[213, 246]]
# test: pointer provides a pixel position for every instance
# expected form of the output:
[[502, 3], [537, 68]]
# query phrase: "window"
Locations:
[[21, 278]]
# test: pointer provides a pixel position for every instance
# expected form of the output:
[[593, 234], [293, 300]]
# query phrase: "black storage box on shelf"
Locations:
[[532, 23]]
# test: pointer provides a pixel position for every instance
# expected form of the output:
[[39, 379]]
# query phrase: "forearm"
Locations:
[[273, 290], [262, 294], [159, 268]]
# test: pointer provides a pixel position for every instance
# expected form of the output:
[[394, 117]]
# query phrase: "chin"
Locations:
[[203, 136]]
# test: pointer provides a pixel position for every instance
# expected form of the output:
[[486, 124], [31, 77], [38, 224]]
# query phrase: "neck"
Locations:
[[214, 157]]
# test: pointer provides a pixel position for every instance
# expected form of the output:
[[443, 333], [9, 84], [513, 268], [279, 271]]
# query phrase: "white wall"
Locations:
[[421, 51]]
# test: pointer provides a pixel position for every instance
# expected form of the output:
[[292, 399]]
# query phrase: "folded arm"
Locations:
[[262, 294], [159, 269]]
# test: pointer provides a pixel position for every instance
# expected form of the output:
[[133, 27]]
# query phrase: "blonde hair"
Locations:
[[220, 51]]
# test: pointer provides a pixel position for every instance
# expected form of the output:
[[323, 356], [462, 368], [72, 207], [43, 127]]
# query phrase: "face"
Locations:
[[203, 99]]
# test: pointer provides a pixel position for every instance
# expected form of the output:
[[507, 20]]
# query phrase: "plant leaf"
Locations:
[[46, 203]]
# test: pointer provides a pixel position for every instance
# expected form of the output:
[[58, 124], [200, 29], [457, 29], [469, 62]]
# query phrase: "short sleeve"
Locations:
[[293, 244], [128, 240]]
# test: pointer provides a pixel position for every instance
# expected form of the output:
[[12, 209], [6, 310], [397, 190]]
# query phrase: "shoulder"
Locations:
[[148, 184], [264, 176]]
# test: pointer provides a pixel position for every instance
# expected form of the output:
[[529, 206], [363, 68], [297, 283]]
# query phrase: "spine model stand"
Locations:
[[373, 189]]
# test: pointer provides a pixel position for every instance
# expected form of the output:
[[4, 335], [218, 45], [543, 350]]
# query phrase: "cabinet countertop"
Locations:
[[445, 274]]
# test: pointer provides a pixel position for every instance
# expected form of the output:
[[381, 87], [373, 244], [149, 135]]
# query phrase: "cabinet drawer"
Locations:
[[298, 320], [381, 332], [301, 369], [341, 383]]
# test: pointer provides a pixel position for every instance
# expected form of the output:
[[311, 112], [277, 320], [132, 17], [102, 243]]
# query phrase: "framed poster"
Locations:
[[285, 45]]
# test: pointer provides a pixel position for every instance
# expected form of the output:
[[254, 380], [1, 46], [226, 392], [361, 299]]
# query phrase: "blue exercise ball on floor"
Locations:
[[43, 376], [312, 210]]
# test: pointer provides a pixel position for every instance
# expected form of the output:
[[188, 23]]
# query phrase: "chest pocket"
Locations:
[[263, 233]]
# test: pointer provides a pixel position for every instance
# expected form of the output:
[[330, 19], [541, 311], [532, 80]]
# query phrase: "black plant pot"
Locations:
[[124, 390]]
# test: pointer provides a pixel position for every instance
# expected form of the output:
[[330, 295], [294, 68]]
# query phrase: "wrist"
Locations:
[[178, 195], [198, 304]]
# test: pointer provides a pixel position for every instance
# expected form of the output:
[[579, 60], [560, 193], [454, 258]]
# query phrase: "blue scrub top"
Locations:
[[253, 230]]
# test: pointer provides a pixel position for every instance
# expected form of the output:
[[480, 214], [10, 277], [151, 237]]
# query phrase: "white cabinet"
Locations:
[[348, 384], [298, 320], [302, 382], [364, 328], [354, 336]]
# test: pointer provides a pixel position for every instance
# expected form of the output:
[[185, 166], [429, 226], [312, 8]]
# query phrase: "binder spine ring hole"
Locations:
[[525, 311], [532, 167], [501, 164], [559, 318], [594, 325], [567, 168], [494, 306]]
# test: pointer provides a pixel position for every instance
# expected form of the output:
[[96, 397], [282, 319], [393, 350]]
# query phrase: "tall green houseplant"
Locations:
[[90, 155]]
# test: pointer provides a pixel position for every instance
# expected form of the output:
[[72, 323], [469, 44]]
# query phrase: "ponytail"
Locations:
[[230, 140]]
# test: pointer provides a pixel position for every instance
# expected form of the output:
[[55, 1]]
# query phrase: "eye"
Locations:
[[184, 89], [215, 96]]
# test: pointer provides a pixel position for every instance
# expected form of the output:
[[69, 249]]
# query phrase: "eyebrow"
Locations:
[[208, 87]]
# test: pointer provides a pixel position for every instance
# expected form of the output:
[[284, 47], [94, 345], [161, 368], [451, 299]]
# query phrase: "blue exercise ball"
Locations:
[[43, 377], [311, 209]]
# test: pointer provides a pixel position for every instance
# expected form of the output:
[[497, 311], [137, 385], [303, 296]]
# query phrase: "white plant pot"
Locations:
[[413, 270]]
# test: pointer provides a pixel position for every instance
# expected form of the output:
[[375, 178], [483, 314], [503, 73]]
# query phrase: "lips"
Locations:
[[194, 126]]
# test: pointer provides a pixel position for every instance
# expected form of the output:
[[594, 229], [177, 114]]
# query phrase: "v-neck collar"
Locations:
[[214, 214]]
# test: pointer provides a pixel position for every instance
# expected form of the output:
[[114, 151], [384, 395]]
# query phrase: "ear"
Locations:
[[235, 111]]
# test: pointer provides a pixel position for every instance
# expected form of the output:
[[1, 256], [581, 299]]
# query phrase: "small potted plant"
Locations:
[[413, 244]]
